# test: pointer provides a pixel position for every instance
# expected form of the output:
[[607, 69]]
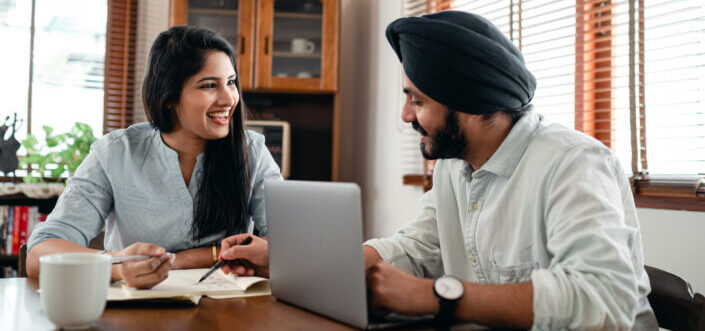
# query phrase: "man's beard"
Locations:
[[447, 143]]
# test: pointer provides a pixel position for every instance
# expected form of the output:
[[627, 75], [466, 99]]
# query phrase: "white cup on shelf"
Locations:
[[73, 288], [302, 46], [304, 74]]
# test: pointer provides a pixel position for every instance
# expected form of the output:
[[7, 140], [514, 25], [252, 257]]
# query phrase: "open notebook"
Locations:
[[183, 285]]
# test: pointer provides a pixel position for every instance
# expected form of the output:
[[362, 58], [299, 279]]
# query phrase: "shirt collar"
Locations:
[[166, 151], [507, 156]]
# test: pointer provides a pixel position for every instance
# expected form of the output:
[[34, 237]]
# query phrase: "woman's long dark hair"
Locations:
[[222, 199]]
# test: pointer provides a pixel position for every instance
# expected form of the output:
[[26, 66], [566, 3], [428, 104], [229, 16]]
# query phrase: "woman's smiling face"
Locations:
[[208, 99]]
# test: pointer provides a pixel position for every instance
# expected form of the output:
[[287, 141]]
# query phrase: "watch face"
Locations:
[[449, 288]]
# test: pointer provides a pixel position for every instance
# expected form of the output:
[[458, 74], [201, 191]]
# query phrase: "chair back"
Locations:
[[675, 304], [21, 261]]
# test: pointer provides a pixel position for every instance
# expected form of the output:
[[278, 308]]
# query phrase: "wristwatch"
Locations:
[[448, 290]]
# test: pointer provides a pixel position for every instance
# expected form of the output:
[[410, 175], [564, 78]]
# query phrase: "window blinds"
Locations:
[[674, 86], [631, 73], [152, 19], [120, 64]]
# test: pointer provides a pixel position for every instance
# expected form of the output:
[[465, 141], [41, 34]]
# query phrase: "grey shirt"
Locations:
[[131, 185]]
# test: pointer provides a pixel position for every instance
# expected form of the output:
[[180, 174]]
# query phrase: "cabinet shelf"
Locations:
[[7, 258], [299, 55], [298, 15], [211, 11]]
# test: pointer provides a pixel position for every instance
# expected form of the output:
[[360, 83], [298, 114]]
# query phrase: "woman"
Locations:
[[181, 183]]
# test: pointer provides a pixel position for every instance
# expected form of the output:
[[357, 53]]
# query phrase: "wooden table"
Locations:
[[20, 309]]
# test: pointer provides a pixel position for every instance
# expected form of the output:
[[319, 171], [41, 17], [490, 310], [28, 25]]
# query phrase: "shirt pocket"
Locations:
[[514, 273]]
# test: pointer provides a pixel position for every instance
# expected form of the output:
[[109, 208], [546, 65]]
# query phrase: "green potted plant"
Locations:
[[66, 151]]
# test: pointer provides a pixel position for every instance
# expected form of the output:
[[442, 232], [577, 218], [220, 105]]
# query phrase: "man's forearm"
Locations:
[[504, 305], [370, 255]]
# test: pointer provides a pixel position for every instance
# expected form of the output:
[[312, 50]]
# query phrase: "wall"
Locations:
[[371, 142], [674, 240], [370, 97]]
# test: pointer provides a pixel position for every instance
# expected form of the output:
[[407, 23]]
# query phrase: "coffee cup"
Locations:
[[302, 46], [73, 288]]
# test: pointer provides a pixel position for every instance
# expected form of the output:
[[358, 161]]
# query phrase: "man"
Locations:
[[528, 225]]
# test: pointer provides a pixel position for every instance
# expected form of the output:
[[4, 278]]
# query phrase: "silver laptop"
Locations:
[[315, 249]]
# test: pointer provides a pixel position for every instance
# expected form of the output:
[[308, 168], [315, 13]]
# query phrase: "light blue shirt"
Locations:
[[553, 207], [131, 185]]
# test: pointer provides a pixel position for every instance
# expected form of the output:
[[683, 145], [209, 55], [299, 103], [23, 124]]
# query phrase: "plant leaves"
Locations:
[[58, 171], [52, 142], [66, 151], [47, 129]]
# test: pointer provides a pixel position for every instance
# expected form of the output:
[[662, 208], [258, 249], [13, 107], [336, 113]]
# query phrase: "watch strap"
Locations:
[[446, 312]]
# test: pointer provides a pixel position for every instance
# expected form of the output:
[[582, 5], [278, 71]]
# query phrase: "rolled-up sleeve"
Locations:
[[83, 207], [415, 247], [262, 167], [591, 283]]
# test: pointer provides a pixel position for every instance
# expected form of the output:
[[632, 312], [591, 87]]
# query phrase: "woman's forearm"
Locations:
[[51, 246], [195, 258]]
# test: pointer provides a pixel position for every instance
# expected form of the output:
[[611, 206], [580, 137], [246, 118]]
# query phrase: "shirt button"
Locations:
[[474, 206], [474, 259]]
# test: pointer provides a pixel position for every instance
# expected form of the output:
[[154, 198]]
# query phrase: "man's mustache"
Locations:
[[417, 127]]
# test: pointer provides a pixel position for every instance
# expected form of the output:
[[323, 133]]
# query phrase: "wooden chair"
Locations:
[[675, 305], [96, 243]]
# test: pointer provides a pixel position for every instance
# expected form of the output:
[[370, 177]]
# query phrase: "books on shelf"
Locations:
[[16, 224]]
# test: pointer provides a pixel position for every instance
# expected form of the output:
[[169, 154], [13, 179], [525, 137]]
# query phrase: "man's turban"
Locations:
[[462, 61]]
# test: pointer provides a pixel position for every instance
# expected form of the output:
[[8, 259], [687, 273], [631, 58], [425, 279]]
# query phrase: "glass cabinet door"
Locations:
[[232, 19], [296, 48]]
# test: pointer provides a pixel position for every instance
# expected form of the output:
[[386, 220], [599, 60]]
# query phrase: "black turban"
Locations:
[[462, 61]]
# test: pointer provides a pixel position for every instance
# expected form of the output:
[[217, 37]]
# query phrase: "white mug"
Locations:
[[302, 46], [73, 288]]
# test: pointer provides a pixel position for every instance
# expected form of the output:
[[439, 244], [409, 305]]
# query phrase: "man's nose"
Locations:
[[407, 114]]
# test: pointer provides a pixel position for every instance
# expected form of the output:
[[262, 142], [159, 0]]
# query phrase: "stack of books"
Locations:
[[16, 224]]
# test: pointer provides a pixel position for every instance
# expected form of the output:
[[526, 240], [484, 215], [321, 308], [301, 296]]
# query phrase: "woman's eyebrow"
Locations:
[[214, 78]]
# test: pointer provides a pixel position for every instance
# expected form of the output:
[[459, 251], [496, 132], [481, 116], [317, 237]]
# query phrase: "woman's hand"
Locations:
[[244, 258], [147, 273]]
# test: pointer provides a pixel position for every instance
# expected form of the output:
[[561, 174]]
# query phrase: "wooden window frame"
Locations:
[[593, 103]]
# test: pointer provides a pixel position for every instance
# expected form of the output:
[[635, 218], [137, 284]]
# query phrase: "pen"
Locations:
[[220, 263], [121, 259]]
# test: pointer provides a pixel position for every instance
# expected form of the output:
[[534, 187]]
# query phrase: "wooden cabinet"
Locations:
[[297, 45], [288, 46], [232, 19]]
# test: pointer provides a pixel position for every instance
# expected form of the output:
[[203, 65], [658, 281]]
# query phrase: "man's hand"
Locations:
[[147, 273], [371, 257], [250, 259], [392, 289]]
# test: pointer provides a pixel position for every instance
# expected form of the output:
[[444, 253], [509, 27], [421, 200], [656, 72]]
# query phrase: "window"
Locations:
[[53, 71], [132, 27], [630, 73]]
